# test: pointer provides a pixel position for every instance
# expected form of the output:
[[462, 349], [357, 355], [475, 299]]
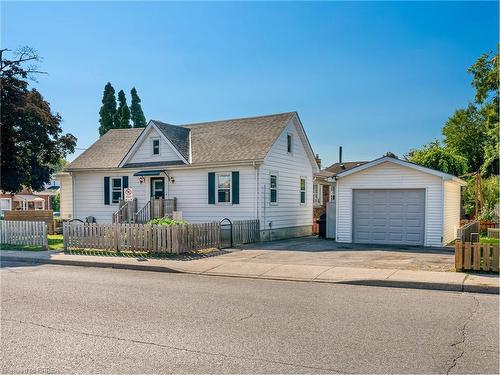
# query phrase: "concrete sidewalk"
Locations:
[[237, 264]]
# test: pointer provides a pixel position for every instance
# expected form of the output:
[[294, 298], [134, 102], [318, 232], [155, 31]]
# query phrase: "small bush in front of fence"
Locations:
[[166, 221]]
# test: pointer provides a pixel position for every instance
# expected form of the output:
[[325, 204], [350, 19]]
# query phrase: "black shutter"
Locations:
[[235, 179], [106, 190], [125, 182], [211, 187]]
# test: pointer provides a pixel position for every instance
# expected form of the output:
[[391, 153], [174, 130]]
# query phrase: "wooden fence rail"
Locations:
[[476, 256], [30, 233], [154, 239], [493, 232], [246, 231]]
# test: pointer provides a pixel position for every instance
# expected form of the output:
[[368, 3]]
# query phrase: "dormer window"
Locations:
[[156, 146], [289, 142]]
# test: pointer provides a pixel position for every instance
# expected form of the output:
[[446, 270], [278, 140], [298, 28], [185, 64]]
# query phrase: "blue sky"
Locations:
[[371, 76]]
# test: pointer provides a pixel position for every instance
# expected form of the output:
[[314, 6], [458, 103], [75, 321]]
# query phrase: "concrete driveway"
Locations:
[[322, 252]]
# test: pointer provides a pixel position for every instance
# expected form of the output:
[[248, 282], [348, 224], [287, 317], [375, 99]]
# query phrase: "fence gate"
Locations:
[[226, 233]]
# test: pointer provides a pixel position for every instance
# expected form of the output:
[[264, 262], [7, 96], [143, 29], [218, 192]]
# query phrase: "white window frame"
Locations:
[[217, 174], [289, 135], [331, 193], [305, 190], [275, 174], [112, 189], [10, 204], [153, 146]]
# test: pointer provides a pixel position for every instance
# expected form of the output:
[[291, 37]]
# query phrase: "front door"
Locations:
[[157, 187]]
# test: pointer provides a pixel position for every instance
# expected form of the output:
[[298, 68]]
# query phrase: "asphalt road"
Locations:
[[72, 319]]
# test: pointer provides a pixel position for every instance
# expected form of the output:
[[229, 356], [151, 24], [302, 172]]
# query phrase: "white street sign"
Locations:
[[128, 194]]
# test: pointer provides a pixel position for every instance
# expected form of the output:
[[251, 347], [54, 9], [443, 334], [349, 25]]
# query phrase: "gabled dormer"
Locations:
[[159, 143]]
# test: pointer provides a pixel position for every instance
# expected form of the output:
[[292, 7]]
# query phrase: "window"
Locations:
[[156, 146], [223, 184], [318, 194], [5, 204], [332, 193], [273, 184], [302, 190], [289, 142], [116, 189]]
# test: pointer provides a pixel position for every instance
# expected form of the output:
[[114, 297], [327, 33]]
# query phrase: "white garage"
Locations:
[[391, 201]]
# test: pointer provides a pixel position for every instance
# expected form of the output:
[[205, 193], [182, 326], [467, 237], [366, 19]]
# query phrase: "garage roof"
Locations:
[[404, 163]]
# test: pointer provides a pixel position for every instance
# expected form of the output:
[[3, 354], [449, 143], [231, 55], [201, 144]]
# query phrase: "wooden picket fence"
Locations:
[[493, 232], [246, 231], [476, 256], [154, 239], [30, 233]]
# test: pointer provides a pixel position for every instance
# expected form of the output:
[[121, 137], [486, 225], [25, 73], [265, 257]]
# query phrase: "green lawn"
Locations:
[[489, 240], [55, 242]]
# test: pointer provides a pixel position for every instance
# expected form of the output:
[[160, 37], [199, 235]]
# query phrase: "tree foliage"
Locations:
[[473, 132], [434, 156], [122, 119], [490, 191], [138, 119], [32, 140], [55, 201], [465, 133], [107, 112]]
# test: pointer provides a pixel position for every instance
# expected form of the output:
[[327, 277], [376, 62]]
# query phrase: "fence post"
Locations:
[[458, 256]]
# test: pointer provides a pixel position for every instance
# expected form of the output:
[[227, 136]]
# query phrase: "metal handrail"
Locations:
[[144, 214]]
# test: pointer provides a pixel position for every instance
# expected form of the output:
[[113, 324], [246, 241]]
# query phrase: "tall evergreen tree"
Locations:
[[107, 112], [138, 119], [122, 119]]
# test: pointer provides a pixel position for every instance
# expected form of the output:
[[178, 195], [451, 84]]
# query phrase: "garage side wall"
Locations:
[[451, 209], [391, 176]]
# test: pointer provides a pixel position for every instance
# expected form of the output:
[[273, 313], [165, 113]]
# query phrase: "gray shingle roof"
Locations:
[[237, 139], [108, 151], [241, 139], [177, 135]]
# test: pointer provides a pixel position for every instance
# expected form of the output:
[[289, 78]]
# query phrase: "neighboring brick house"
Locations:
[[27, 199], [324, 184]]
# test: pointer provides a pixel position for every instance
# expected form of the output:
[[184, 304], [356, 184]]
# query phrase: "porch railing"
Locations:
[[156, 208], [469, 232], [126, 212]]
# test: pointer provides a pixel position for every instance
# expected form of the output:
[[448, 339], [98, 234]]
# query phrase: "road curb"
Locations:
[[452, 287]]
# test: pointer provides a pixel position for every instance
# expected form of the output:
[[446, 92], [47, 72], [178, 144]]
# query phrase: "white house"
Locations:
[[250, 168], [391, 201]]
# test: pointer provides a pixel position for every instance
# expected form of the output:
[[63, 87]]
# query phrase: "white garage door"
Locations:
[[389, 216]]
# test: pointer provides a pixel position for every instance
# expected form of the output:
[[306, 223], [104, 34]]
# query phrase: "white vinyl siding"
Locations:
[[66, 195], [191, 190], [89, 193], [290, 168], [391, 176], [144, 152], [451, 209]]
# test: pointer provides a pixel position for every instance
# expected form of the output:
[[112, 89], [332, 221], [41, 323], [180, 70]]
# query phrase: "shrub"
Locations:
[[167, 221]]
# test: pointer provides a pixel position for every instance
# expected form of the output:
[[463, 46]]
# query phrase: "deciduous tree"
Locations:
[[434, 156], [32, 140]]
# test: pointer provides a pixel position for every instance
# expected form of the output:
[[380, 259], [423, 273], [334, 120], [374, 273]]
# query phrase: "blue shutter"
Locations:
[[106, 190], [125, 182], [211, 187], [235, 180]]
